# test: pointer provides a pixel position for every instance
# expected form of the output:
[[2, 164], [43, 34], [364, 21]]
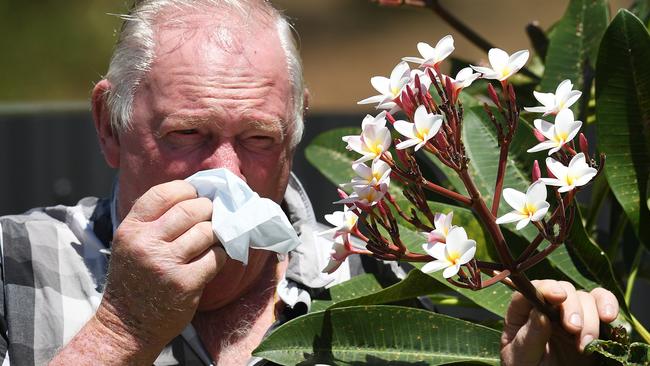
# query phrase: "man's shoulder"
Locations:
[[46, 227], [50, 215]]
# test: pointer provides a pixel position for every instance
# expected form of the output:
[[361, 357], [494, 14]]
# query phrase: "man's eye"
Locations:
[[191, 131], [260, 142]]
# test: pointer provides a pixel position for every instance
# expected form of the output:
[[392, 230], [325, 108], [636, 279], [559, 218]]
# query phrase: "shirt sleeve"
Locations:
[[4, 338]]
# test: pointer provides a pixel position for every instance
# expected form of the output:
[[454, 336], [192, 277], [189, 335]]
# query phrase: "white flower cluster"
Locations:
[[447, 244], [532, 205]]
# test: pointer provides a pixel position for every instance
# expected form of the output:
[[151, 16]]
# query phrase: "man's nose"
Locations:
[[224, 155]]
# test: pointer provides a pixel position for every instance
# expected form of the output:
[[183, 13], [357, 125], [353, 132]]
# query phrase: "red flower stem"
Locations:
[[530, 248], [519, 278], [497, 278], [501, 172], [490, 265], [532, 261], [446, 192]]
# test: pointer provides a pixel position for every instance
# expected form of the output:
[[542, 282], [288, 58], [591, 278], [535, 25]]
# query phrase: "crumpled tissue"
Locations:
[[241, 219]]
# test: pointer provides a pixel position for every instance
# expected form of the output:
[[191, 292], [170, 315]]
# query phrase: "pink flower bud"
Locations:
[[342, 193], [536, 172], [539, 136], [584, 144], [449, 88], [390, 118], [441, 141], [493, 95]]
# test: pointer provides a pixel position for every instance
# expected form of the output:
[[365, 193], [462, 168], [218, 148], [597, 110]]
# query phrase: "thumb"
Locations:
[[529, 344]]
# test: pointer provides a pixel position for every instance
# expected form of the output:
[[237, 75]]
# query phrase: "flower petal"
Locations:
[[511, 216], [521, 224], [517, 60], [498, 58], [434, 266], [542, 209], [451, 271], [536, 192], [469, 254], [405, 128], [515, 199], [381, 84]]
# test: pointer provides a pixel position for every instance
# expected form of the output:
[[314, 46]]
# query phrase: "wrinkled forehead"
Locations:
[[204, 35]]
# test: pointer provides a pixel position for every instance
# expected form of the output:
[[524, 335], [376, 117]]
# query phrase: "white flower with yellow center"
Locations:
[[576, 174], [374, 139], [377, 175], [502, 65], [558, 134], [389, 88], [425, 126], [563, 98], [457, 251], [432, 56], [529, 206], [442, 225], [365, 195], [344, 222]]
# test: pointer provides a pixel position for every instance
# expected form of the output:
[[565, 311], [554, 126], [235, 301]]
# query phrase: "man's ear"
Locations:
[[108, 138], [306, 99]]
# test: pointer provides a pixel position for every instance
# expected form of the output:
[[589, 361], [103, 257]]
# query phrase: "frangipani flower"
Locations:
[[529, 206], [503, 65], [374, 139], [344, 222], [563, 98], [443, 225], [432, 56], [377, 175], [365, 195], [558, 134], [426, 126], [576, 174], [458, 251], [389, 88], [464, 78], [337, 257]]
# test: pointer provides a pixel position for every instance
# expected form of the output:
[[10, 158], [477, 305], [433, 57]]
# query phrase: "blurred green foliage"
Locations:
[[55, 52]]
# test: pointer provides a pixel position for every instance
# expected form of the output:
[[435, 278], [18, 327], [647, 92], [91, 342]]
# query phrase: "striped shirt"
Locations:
[[54, 265]]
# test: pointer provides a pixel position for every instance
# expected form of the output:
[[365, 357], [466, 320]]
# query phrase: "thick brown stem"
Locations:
[[519, 279]]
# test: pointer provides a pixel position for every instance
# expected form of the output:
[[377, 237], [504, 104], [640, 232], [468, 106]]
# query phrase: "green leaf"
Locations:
[[327, 153], [623, 116], [380, 335], [361, 285], [615, 353], [415, 284], [574, 43]]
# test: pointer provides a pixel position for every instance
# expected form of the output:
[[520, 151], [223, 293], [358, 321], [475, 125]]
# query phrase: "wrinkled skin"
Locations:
[[529, 337]]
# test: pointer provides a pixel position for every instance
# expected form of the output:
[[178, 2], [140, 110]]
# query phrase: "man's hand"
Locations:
[[529, 338], [163, 255]]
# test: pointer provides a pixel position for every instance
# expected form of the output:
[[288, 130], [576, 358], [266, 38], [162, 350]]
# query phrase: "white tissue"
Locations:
[[241, 218]]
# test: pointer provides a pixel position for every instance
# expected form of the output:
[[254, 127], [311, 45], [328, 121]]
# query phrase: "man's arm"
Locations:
[[163, 255], [529, 338]]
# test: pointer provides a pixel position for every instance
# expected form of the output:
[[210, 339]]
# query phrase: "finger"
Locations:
[[182, 216], [519, 308], [606, 303], [571, 309], [160, 198], [553, 291], [590, 319], [194, 241], [208, 264], [529, 345]]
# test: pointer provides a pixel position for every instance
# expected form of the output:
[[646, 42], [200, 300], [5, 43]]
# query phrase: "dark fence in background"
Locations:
[[50, 156]]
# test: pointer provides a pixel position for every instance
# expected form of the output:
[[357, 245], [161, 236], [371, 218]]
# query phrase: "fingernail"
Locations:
[[585, 341], [609, 310], [575, 320]]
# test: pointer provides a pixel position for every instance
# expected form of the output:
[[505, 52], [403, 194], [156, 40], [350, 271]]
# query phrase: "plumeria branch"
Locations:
[[435, 125]]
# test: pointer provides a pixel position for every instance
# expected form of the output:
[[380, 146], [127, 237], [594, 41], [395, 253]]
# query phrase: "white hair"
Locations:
[[134, 54]]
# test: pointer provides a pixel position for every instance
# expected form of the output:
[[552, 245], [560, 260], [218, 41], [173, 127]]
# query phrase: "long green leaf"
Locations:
[[623, 116], [574, 43], [380, 335], [415, 284]]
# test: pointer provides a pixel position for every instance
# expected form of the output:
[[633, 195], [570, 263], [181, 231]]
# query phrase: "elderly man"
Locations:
[[193, 85]]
